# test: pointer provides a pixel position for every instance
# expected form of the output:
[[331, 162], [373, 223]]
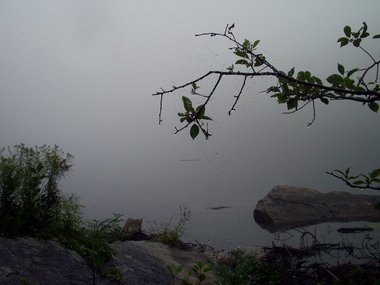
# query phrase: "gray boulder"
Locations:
[[286, 207]]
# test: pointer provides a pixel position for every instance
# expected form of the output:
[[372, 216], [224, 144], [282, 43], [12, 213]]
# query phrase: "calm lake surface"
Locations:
[[80, 74]]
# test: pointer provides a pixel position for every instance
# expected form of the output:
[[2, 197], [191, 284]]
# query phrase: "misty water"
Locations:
[[81, 74]]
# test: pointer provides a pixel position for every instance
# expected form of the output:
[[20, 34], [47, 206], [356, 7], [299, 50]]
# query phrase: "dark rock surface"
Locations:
[[287, 207], [42, 262], [138, 266], [45, 262]]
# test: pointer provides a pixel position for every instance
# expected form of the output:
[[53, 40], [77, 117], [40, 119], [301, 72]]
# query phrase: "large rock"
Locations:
[[45, 262], [42, 262], [287, 207]]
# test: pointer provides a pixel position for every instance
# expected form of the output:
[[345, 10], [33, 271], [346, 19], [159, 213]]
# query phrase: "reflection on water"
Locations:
[[326, 244]]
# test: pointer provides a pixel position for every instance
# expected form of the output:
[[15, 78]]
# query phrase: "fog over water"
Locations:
[[81, 74]]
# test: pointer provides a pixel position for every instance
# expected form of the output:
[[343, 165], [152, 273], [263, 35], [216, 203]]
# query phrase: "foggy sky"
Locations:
[[80, 74]]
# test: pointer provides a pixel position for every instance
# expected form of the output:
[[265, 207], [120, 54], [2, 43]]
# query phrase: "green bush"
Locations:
[[241, 268], [169, 233], [31, 202]]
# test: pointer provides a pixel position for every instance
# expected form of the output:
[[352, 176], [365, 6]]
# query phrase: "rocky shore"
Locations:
[[44, 262]]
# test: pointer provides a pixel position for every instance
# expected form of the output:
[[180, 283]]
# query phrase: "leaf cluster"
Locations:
[[355, 38], [368, 181], [192, 116], [295, 89], [247, 55]]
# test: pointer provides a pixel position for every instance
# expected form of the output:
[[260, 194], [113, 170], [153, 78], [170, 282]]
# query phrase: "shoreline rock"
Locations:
[[286, 207], [46, 262]]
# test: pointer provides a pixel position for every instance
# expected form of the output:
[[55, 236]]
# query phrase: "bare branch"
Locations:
[[238, 96]]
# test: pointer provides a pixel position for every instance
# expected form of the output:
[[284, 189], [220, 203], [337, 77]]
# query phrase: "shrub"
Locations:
[[31, 202], [241, 268], [170, 234]]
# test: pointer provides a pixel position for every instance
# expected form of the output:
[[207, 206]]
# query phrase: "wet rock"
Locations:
[[287, 207]]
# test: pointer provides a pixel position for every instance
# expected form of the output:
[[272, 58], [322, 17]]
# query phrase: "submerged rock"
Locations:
[[286, 207]]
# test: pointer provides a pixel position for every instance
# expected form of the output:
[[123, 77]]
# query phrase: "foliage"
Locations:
[[242, 268], [361, 181], [168, 233], [197, 271], [31, 202], [294, 89], [92, 241]]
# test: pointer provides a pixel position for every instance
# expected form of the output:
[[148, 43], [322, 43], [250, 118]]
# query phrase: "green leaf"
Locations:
[[301, 76], [242, 61], [200, 111], [364, 35], [182, 120], [347, 171], [357, 42], [255, 44], [292, 103], [376, 36], [343, 42], [347, 31], [334, 79], [241, 53], [352, 72], [319, 81], [375, 173], [365, 27], [341, 69], [358, 182], [291, 72], [194, 85], [374, 106], [194, 131], [187, 104], [324, 100], [206, 118], [349, 83], [246, 44], [259, 60]]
